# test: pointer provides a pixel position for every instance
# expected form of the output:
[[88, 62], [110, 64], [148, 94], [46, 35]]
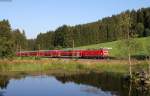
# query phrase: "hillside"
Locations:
[[107, 29], [116, 49]]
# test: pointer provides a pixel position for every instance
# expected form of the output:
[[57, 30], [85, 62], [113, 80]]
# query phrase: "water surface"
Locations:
[[72, 85]]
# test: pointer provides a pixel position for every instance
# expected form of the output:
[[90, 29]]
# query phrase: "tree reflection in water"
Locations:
[[105, 82], [4, 81], [112, 84]]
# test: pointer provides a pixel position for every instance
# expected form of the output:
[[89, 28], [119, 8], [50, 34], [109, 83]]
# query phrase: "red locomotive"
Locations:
[[103, 52]]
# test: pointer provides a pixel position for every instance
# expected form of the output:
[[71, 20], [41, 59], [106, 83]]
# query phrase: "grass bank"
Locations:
[[70, 66], [116, 50]]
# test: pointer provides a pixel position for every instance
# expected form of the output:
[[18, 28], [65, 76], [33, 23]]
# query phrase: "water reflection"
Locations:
[[4, 80], [105, 82], [63, 85], [112, 83]]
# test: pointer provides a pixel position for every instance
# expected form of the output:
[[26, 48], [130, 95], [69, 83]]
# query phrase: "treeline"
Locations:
[[105, 30], [11, 40], [108, 29]]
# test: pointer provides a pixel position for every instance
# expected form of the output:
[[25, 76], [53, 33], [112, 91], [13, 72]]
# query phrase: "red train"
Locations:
[[101, 53]]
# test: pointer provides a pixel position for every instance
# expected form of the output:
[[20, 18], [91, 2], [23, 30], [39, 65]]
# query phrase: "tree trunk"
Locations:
[[130, 89], [130, 64], [148, 67], [73, 49]]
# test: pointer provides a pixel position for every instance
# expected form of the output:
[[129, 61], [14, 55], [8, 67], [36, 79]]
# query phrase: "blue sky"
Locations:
[[35, 16]]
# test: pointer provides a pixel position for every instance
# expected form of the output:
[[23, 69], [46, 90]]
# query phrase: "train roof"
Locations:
[[40, 50], [68, 50], [108, 48]]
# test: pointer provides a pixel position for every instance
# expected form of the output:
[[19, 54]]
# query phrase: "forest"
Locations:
[[107, 29]]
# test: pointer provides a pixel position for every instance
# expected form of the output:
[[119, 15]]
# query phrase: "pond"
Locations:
[[67, 85]]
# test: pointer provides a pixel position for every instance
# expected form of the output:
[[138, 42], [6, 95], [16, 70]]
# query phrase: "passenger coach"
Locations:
[[100, 53]]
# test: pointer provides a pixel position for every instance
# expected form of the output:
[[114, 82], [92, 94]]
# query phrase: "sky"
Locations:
[[40, 16]]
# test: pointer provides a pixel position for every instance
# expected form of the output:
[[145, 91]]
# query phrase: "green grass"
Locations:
[[39, 65], [68, 66], [115, 51]]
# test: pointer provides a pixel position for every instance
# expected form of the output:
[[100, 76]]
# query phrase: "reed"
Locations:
[[45, 65]]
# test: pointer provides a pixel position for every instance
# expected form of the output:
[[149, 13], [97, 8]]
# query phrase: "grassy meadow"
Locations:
[[117, 49], [66, 65]]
